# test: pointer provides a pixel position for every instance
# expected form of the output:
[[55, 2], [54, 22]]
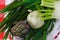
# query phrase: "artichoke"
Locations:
[[20, 29]]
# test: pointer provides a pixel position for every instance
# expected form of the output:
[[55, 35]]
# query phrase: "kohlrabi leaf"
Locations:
[[48, 3]]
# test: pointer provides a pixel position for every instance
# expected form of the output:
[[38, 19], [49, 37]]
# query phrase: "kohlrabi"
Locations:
[[34, 21], [36, 18]]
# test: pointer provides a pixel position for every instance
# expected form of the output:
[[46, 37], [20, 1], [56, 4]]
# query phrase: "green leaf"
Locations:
[[12, 16], [44, 34], [31, 33], [7, 18]]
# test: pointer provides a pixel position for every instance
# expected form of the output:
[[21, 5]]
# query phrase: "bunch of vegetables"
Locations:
[[37, 14]]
